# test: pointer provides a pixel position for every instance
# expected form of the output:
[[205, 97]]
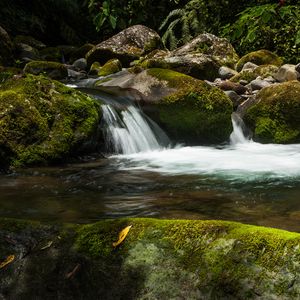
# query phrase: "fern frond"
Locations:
[[174, 13]]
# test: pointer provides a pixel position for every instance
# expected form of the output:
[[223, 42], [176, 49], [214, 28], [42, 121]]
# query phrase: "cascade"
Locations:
[[130, 132], [237, 136]]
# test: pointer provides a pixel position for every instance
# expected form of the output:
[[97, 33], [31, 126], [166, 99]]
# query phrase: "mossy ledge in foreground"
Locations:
[[159, 259]]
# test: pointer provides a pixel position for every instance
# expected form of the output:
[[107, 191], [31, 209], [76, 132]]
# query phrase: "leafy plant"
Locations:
[[267, 26]]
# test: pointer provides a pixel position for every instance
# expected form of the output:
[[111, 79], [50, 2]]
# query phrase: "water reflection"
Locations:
[[100, 189]]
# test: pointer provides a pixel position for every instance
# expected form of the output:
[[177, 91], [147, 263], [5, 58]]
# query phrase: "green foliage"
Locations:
[[268, 27], [114, 15]]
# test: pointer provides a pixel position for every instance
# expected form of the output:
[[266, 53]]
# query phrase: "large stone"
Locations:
[[6, 49], [29, 40], [25, 52], [274, 117], [159, 259], [54, 70], [42, 121], [128, 45], [260, 57], [200, 58], [190, 110]]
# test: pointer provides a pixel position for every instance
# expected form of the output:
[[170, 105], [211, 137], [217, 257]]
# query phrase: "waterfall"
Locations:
[[129, 131], [237, 136]]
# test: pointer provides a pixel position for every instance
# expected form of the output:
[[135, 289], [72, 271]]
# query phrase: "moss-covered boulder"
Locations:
[[42, 121], [110, 67], [275, 116], [80, 52], [196, 112], [159, 259], [200, 58], [127, 46], [6, 48], [188, 109], [260, 57], [52, 69]]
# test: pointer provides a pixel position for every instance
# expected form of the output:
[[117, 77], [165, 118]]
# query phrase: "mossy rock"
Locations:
[[127, 46], [251, 74], [260, 57], [51, 54], [110, 67], [195, 112], [159, 259], [8, 72], [52, 69], [275, 118], [42, 122], [81, 52], [29, 40]]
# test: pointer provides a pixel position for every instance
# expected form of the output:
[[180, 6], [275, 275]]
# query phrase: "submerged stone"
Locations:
[[159, 259]]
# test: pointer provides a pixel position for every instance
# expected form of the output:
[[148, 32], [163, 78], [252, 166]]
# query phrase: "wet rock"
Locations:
[[76, 75], [6, 48], [80, 64], [235, 98], [53, 69], [190, 110], [274, 118], [128, 45], [287, 72], [260, 57], [226, 73], [159, 259], [43, 121]]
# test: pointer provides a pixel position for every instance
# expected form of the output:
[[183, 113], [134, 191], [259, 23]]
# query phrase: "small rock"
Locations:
[[286, 72], [80, 64], [270, 79], [235, 98], [76, 75], [249, 66], [258, 84], [243, 82], [229, 85], [226, 73]]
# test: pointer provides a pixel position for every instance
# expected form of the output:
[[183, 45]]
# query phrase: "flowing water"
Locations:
[[243, 181]]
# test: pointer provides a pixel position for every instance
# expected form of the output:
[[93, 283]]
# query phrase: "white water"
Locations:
[[243, 159], [129, 133]]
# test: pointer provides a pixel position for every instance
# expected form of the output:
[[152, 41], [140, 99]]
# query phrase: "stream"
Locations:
[[145, 177]]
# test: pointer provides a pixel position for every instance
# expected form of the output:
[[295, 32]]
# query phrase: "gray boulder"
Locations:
[[287, 72], [258, 84], [226, 73], [80, 64], [128, 45]]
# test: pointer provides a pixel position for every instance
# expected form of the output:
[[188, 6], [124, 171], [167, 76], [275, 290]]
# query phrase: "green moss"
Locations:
[[159, 259], [110, 67], [196, 112], [43, 121], [52, 69], [275, 118], [260, 57], [249, 75]]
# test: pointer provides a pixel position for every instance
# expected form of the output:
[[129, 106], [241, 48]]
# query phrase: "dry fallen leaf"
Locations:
[[73, 272], [122, 236], [7, 261]]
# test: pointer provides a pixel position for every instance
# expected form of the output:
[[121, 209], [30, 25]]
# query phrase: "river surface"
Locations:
[[248, 182]]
